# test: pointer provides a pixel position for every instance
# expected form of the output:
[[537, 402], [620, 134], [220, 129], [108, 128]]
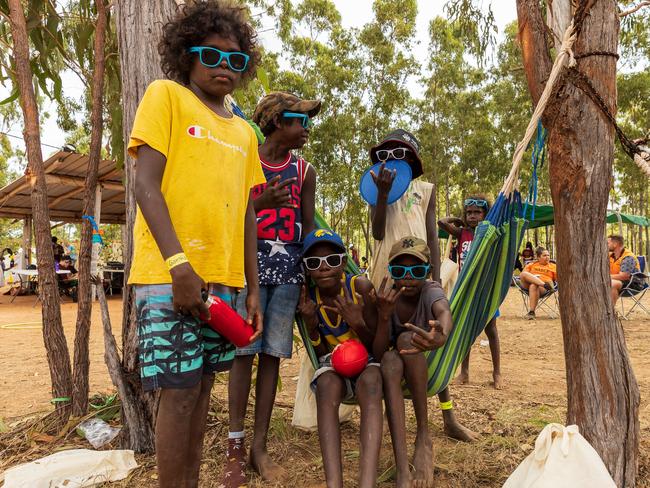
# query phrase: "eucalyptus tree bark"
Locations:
[[602, 392], [139, 29], [81, 361], [56, 347]]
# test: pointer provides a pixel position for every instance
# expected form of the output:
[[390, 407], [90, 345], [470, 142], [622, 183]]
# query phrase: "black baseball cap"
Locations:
[[406, 138]]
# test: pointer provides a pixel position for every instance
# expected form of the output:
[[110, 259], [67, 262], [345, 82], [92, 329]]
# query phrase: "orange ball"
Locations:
[[349, 358]]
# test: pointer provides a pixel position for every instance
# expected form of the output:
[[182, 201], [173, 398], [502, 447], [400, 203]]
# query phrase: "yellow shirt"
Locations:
[[546, 272], [212, 163]]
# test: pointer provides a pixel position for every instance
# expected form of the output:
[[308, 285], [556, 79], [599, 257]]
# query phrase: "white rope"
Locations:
[[565, 57]]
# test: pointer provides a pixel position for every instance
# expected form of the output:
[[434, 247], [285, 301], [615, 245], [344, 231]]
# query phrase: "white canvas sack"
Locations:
[[304, 408], [448, 271], [562, 459]]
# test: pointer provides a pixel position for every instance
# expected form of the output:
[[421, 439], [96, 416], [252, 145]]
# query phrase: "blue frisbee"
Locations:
[[401, 182]]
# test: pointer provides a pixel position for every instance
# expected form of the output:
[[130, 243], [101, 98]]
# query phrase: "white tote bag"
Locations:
[[562, 459], [448, 271], [304, 408]]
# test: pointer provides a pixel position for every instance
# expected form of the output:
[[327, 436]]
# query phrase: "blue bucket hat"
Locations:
[[319, 236]]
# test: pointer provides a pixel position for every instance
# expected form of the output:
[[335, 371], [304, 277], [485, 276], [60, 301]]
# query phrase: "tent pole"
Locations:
[[27, 241], [96, 245]]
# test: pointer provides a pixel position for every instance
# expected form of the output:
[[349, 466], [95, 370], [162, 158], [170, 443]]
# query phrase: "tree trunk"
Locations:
[[56, 347], [140, 65], [82, 333], [603, 396]]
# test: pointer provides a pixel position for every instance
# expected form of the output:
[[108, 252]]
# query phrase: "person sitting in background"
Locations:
[[68, 282], [538, 278], [354, 253], [528, 255], [364, 265], [622, 265], [57, 249]]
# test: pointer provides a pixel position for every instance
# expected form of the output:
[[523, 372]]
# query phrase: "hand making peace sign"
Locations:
[[277, 194], [308, 309], [385, 300], [352, 313]]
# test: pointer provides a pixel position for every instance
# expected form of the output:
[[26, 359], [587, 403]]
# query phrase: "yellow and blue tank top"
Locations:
[[338, 331]]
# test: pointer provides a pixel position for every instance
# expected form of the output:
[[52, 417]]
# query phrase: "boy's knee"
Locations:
[[404, 340], [491, 329], [392, 365], [329, 386], [181, 402], [369, 383]]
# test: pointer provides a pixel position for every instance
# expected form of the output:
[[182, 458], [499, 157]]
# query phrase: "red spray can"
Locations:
[[227, 322]]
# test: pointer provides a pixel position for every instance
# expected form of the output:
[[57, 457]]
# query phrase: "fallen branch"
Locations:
[[132, 414]]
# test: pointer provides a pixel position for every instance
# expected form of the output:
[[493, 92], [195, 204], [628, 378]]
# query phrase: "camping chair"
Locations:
[[634, 294], [548, 296]]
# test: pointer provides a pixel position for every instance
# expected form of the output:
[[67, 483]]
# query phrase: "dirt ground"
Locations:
[[508, 419]]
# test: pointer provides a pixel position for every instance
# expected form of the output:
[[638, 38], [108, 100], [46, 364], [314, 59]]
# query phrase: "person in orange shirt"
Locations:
[[622, 266], [538, 277]]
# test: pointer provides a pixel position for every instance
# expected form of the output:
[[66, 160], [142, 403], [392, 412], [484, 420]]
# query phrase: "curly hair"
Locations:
[[477, 196], [195, 22]]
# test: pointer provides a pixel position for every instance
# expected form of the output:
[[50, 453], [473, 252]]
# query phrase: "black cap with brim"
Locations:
[[407, 139]]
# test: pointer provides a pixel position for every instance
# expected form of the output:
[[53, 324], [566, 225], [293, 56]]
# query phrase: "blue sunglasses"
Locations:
[[471, 201], [304, 118], [418, 272], [212, 57]]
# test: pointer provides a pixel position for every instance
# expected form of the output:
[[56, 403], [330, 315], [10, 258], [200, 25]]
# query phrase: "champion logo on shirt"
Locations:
[[198, 132]]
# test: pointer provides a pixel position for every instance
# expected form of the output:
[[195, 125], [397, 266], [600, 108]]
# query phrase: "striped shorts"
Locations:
[[176, 350]]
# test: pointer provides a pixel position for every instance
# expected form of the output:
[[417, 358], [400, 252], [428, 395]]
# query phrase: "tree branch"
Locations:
[[634, 9], [534, 46]]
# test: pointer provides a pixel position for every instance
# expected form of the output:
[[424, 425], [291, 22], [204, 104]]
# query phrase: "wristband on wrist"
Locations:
[[175, 260]]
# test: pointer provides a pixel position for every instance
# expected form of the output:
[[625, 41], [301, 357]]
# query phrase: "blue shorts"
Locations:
[[176, 350], [278, 304]]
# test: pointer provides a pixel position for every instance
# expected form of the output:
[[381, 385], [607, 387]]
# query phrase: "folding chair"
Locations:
[[550, 308], [634, 294]]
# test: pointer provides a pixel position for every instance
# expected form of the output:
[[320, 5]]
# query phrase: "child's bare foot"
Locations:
[[456, 430], [498, 382], [234, 475], [268, 469], [423, 462], [462, 378]]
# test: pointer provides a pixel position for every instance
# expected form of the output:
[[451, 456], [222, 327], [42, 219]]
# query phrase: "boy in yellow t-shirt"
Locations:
[[539, 278], [195, 227]]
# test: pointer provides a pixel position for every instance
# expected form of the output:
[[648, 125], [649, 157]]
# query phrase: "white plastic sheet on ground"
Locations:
[[562, 458], [74, 468]]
